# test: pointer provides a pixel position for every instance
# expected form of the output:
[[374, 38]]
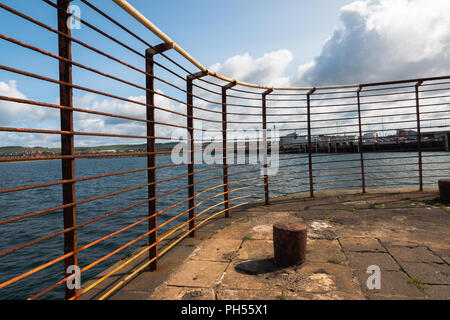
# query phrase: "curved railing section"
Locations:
[[153, 145]]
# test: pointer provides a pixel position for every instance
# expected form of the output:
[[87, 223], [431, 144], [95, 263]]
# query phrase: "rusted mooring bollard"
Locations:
[[444, 190], [289, 243]]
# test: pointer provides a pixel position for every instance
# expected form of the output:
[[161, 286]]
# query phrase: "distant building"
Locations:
[[107, 151], [288, 139], [349, 139], [370, 137], [436, 134], [406, 133], [301, 140], [440, 134]]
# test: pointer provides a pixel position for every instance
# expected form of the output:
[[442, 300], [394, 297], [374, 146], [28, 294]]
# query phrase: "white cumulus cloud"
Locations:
[[268, 69], [15, 114], [383, 40], [10, 111]]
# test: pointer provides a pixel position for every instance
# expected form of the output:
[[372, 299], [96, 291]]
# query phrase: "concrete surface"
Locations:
[[404, 232]]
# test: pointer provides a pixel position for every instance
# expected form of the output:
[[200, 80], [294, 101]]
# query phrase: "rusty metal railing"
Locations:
[[388, 134]]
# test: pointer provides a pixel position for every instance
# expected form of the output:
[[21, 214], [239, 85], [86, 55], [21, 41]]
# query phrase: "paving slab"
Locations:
[[362, 260], [314, 278], [393, 283], [430, 273], [184, 293], [131, 295], [319, 250], [401, 243], [270, 216], [332, 295], [235, 294], [197, 273], [202, 235], [143, 282], [255, 249], [234, 232], [262, 231], [438, 292], [285, 206], [235, 278], [392, 297], [338, 295], [321, 229], [414, 254], [361, 244], [341, 275], [148, 281], [327, 277], [216, 250], [444, 254]]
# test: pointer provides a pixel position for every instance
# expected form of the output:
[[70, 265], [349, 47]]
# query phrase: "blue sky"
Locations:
[[211, 31], [281, 43]]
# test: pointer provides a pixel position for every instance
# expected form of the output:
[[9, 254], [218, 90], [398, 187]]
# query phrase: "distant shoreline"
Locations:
[[291, 151]]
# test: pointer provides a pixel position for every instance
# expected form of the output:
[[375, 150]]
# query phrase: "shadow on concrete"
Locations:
[[255, 267]]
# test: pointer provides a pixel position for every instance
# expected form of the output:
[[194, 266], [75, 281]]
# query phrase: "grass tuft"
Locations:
[[417, 283], [343, 199], [431, 202], [247, 237], [335, 261], [281, 297]]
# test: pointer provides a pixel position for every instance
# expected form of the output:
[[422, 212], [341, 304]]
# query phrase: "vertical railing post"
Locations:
[[361, 152], [264, 126], [191, 149], [419, 136], [190, 142], [151, 156], [311, 181], [224, 148], [67, 140]]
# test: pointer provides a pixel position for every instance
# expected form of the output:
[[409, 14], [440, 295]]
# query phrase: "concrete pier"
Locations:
[[402, 232]]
